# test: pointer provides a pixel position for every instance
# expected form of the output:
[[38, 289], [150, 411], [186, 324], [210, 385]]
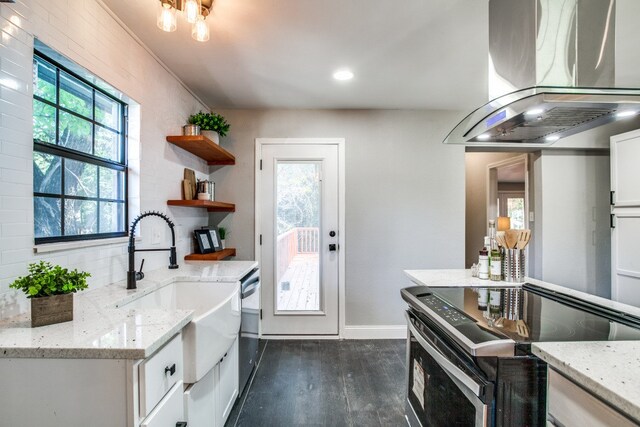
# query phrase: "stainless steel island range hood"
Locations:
[[551, 74]]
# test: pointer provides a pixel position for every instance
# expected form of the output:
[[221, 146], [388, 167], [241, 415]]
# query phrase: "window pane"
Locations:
[[298, 239], [107, 111], [515, 210], [111, 184], [44, 122], [80, 217], [47, 173], [107, 144], [76, 96], [80, 179], [44, 80], [47, 217], [75, 133], [111, 217]]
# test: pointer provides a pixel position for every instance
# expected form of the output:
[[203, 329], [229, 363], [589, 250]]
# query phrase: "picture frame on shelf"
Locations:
[[215, 239], [204, 242]]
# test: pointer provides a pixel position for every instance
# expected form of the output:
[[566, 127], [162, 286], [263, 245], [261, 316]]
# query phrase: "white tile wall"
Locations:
[[84, 31]]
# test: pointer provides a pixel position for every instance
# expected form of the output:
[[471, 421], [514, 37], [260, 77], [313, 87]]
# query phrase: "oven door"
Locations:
[[442, 389]]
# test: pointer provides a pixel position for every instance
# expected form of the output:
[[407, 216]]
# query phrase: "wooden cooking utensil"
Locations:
[[522, 328], [501, 239], [512, 238], [523, 238]]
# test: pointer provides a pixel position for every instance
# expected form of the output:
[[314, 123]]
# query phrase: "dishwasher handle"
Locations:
[[251, 289]]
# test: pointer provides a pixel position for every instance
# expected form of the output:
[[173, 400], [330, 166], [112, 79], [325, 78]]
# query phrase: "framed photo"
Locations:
[[203, 238], [215, 239]]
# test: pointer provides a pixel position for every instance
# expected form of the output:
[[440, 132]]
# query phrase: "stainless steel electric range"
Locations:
[[469, 363]]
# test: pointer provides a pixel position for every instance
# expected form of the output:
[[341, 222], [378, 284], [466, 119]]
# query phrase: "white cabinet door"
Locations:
[[200, 401], [227, 384], [625, 256], [625, 169]]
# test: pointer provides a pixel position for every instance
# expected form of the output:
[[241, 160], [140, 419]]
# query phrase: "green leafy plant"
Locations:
[[210, 121], [46, 280], [222, 232]]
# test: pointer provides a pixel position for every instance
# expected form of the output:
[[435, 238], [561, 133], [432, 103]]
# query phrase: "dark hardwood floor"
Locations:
[[325, 383]]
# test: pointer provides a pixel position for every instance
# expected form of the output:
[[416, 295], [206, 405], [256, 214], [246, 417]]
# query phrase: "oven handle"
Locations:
[[444, 363]]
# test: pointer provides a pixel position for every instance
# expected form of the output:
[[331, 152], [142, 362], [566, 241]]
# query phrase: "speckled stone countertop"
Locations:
[[102, 330], [609, 370]]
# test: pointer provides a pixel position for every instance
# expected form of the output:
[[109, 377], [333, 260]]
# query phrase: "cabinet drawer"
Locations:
[[169, 412], [570, 405], [159, 373]]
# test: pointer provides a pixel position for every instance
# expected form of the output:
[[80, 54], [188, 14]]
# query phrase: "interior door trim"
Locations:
[[340, 143]]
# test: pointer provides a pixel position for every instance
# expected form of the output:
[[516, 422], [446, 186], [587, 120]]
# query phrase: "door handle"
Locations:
[[333, 247]]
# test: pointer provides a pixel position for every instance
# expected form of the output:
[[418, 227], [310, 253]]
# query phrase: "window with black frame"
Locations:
[[79, 157]]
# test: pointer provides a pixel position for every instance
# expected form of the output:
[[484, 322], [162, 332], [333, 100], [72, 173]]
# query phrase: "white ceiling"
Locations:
[[409, 54]]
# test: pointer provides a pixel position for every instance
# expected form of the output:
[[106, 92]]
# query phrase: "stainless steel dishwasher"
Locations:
[[248, 346]]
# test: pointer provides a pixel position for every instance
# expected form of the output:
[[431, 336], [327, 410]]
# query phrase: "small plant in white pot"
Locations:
[[222, 232], [212, 125], [50, 289]]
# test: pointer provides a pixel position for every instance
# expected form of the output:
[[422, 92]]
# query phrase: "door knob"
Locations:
[[332, 247]]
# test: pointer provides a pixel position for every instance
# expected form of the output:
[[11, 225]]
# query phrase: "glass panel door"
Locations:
[[298, 208]]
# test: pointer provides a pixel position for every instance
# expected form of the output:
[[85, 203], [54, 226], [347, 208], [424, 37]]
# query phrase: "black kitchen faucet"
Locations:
[[132, 274]]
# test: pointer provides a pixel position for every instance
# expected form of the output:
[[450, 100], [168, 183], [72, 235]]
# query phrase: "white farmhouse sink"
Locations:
[[215, 324]]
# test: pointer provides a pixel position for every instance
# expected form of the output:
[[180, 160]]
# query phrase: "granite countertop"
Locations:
[[607, 369], [102, 330]]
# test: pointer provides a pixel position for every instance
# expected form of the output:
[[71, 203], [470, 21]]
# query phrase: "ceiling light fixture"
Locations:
[[195, 11], [343, 75]]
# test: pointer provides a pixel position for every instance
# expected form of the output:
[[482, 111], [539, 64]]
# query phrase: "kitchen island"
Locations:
[[591, 382]]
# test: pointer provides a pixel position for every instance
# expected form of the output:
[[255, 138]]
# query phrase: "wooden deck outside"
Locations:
[[303, 290]]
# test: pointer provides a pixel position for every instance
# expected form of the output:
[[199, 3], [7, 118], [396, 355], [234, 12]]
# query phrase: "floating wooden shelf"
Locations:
[[215, 256], [210, 205], [204, 148]]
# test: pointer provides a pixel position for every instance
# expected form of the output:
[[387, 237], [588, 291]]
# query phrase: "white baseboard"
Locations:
[[373, 332], [299, 337]]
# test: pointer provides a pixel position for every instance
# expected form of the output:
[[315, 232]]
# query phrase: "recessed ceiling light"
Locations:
[[484, 136], [627, 113], [343, 75], [552, 138], [534, 112]]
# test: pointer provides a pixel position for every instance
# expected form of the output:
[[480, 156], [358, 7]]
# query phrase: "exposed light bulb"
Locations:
[[200, 30], [167, 20], [192, 10]]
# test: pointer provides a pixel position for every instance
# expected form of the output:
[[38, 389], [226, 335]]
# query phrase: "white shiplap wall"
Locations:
[[85, 32]]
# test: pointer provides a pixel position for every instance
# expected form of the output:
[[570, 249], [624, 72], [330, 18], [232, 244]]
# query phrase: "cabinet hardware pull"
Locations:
[[171, 370], [181, 424]]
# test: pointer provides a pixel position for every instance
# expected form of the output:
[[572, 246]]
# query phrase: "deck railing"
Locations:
[[299, 240]]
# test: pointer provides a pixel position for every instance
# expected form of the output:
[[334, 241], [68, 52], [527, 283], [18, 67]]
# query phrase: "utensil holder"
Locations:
[[514, 265], [512, 303]]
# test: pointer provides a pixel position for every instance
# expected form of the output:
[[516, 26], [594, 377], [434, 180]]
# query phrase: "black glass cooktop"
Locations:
[[527, 314]]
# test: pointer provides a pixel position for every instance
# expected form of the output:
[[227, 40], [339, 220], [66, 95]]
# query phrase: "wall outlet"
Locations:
[[531, 218], [156, 235]]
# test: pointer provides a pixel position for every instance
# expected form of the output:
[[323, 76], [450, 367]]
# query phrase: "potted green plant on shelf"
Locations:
[[212, 125], [222, 232], [50, 289]]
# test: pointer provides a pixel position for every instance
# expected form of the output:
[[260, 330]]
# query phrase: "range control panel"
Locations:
[[445, 310]]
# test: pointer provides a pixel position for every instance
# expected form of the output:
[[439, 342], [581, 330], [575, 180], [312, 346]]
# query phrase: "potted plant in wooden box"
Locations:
[[50, 289], [212, 125]]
